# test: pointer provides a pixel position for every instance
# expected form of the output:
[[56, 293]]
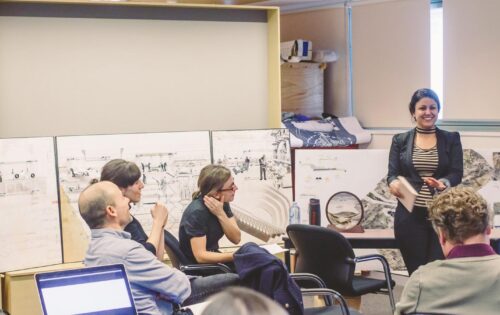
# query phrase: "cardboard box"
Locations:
[[20, 295], [296, 50]]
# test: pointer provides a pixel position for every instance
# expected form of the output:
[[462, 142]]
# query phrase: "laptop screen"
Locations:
[[94, 290]]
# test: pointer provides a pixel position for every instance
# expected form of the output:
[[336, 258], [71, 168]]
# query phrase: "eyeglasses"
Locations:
[[232, 188]]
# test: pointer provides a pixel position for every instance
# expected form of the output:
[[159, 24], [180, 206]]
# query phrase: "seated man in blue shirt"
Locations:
[[468, 280], [155, 286]]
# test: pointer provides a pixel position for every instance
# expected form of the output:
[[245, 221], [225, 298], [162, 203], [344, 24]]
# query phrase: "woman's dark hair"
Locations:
[[212, 178], [120, 172], [420, 94]]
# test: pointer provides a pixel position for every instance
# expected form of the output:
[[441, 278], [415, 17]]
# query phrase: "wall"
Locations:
[[390, 39], [382, 139], [331, 36]]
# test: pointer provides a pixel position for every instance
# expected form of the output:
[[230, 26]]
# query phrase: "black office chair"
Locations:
[[184, 264], [327, 254]]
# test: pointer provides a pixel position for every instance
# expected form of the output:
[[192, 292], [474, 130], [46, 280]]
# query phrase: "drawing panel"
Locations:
[[170, 164], [321, 173], [29, 229], [261, 165]]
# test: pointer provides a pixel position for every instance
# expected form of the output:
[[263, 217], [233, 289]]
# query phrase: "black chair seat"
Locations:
[[362, 285], [181, 262]]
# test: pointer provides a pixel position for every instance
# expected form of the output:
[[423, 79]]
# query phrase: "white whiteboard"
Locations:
[[87, 74], [29, 225]]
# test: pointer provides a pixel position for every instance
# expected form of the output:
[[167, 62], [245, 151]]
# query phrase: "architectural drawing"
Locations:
[[321, 173], [260, 162], [170, 164], [29, 229]]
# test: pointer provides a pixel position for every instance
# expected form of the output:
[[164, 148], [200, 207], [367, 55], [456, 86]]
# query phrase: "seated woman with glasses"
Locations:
[[209, 217]]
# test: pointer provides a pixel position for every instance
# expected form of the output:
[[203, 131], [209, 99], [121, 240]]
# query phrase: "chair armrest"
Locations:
[[383, 261], [387, 272], [302, 276], [311, 278], [328, 294], [212, 268]]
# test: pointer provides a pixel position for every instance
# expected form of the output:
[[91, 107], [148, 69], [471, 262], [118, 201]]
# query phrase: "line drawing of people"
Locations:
[[262, 165]]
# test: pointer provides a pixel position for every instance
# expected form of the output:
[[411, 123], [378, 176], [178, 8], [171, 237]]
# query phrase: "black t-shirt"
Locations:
[[137, 233], [198, 221]]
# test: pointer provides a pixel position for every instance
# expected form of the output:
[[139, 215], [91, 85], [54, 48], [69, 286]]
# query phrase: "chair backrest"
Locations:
[[173, 249], [323, 252]]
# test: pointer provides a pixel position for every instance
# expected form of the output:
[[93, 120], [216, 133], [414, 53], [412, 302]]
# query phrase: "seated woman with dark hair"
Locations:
[[127, 176], [209, 217], [468, 280]]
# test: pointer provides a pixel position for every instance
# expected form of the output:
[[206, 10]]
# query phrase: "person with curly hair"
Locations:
[[468, 280]]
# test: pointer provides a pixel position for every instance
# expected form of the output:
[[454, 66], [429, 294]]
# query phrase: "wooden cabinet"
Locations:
[[302, 88], [20, 295]]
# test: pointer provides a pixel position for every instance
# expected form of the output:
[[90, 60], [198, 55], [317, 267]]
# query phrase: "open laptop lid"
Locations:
[[93, 290]]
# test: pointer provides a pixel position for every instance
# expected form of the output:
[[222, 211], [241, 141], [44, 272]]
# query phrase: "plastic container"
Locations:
[[294, 214]]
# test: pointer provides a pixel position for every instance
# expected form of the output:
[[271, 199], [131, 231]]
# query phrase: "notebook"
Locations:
[[96, 290], [408, 194]]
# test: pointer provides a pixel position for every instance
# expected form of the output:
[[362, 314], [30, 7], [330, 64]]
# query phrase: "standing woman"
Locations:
[[127, 176], [431, 160], [209, 217]]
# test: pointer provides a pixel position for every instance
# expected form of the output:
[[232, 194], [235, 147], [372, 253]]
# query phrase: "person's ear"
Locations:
[[217, 195], [442, 237], [488, 230], [111, 211], [123, 190]]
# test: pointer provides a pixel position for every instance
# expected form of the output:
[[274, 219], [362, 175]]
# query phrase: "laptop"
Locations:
[[95, 290]]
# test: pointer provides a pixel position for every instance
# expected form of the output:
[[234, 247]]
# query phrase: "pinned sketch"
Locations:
[[170, 165], [261, 164], [322, 173], [29, 226]]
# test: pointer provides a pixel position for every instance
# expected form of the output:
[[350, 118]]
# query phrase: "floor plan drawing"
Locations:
[[261, 164], [169, 162], [29, 229]]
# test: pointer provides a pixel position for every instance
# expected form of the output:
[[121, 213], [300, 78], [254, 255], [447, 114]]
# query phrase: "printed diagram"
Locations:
[[260, 162], [169, 162], [20, 178]]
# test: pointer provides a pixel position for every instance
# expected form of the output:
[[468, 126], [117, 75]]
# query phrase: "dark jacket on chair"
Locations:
[[264, 272]]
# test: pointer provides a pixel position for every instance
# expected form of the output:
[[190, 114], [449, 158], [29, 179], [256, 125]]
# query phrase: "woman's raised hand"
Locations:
[[215, 206]]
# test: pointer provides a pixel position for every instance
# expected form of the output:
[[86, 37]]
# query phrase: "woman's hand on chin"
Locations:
[[215, 206]]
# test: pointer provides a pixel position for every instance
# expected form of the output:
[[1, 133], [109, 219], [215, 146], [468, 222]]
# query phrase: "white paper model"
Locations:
[[260, 162]]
